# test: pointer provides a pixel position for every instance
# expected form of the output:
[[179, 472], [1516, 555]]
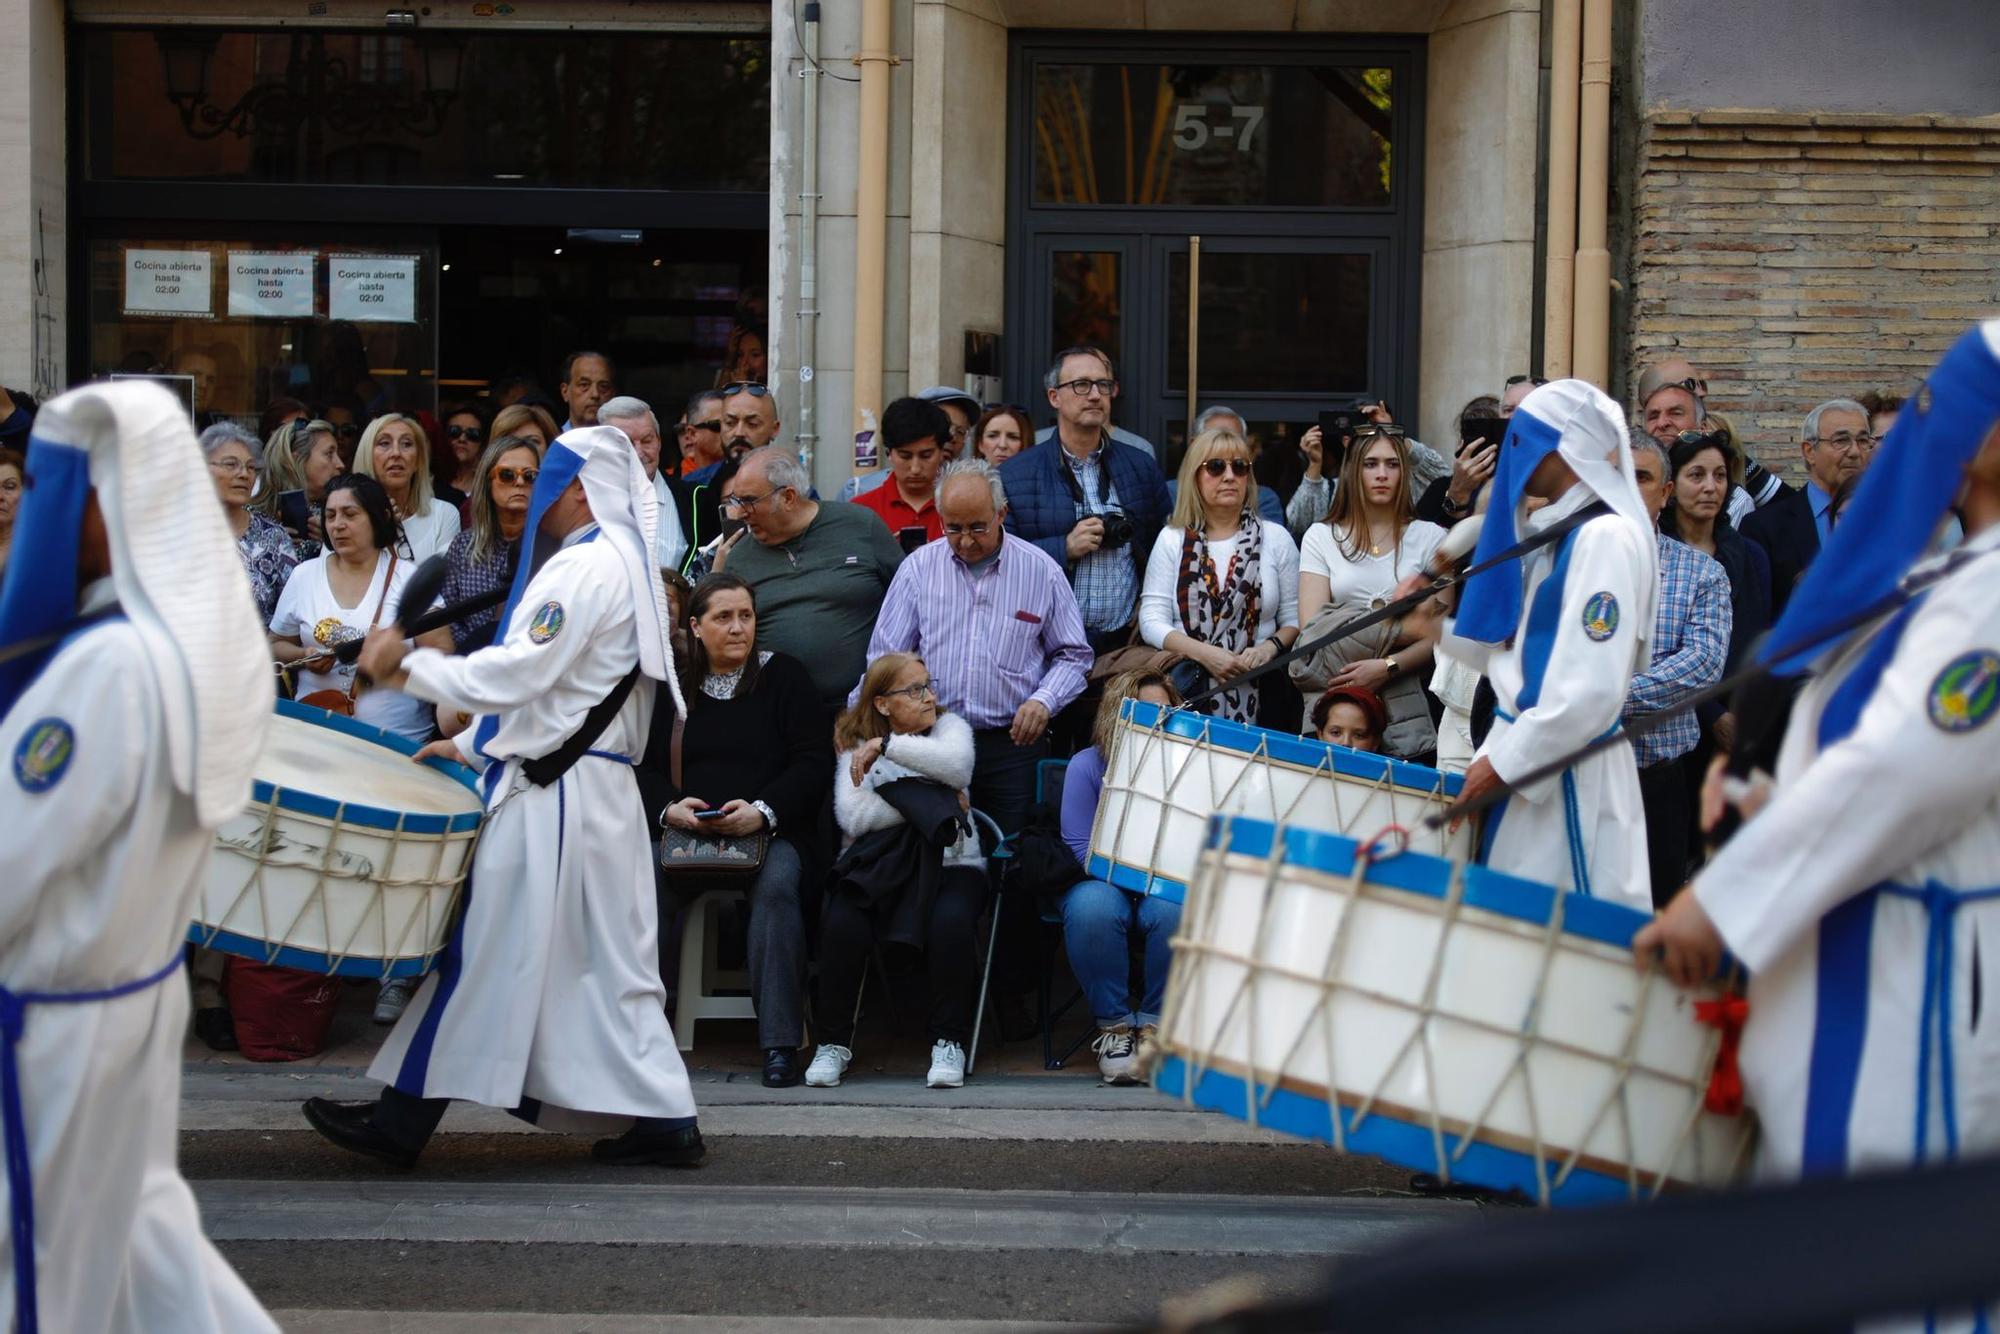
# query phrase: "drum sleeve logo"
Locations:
[[43, 755], [548, 623], [1966, 691], [1600, 616]]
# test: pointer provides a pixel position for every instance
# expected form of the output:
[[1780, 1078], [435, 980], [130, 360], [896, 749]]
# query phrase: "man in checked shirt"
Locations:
[[995, 620]]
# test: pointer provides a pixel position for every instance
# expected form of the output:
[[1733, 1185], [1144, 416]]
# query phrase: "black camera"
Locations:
[[1117, 529]]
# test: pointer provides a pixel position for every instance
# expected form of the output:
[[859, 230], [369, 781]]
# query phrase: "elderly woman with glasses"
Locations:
[[895, 884], [1222, 582], [396, 452], [234, 460]]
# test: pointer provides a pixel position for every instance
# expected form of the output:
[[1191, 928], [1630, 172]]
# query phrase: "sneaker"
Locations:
[[947, 1065], [392, 998], [829, 1064], [1117, 1060]]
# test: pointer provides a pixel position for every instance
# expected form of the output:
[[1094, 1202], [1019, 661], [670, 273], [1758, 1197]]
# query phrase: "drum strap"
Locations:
[[20, 1170], [549, 768]]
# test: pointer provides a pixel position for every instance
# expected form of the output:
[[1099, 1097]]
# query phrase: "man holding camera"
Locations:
[[1089, 501]]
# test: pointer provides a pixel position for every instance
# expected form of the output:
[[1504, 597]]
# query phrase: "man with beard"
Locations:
[[749, 417]]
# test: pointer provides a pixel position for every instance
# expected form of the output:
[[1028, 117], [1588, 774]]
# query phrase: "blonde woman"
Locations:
[[1222, 583], [303, 456], [527, 421], [892, 886], [395, 452]]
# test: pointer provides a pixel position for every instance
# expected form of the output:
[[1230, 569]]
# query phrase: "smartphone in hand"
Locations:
[[708, 815], [911, 538], [1490, 429]]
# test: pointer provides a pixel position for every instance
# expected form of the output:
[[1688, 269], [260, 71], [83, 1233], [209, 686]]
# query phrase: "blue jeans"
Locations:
[[1098, 922]]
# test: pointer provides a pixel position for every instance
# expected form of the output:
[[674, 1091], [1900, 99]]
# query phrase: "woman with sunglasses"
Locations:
[[1352, 561], [482, 557], [893, 886], [455, 467], [1222, 582]]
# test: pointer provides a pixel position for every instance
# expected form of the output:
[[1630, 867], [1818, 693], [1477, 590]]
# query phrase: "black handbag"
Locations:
[[692, 853]]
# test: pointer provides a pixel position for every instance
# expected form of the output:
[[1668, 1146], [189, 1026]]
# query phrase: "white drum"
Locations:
[[349, 859], [1170, 770], [1445, 1017]]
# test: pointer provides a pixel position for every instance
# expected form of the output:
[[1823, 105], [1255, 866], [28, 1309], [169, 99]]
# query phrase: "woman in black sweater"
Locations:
[[756, 754]]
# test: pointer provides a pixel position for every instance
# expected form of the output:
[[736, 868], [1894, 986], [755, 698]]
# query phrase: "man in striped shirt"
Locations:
[[995, 620]]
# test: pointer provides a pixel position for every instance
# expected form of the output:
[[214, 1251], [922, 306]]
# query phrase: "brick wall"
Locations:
[[1800, 257]]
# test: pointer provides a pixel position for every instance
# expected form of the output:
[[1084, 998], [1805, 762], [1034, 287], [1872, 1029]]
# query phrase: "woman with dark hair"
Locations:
[[340, 595], [13, 477], [751, 757], [1352, 561], [895, 885], [482, 556], [1001, 433], [279, 412], [455, 467], [1350, 716], [745, 358], [1702, 471], [1099, 919]]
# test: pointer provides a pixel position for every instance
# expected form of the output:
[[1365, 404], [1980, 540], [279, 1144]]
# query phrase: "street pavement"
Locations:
[[1026, 1200]]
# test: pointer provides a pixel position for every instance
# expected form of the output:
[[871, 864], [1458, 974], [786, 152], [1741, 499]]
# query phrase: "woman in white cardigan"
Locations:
[[893, 885], [1222, 583]]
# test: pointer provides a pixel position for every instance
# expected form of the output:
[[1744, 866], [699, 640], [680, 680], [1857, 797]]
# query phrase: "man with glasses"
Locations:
[[1792, 528], [642, 428], [996, 622], [1092, 504], [818, 570]]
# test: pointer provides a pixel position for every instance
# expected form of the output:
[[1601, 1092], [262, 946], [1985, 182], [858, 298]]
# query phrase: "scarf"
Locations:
[[1224, 609]]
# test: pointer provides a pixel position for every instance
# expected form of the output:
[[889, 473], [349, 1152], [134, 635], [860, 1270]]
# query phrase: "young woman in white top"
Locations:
[[396, 452], [1222, 583], [339, 594], [1354, 558]]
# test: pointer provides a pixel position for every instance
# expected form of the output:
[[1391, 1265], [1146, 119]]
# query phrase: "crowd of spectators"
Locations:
[[982, 603]]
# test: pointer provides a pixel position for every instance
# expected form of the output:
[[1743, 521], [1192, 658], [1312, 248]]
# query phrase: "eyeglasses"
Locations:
[[1216, 467], [712, 424], [1845, 441], [236, 467], [750, 387], [1082, 388], [1696, 387], [1535, 380], [516, 476], [744, 504], [915, 692], [967, 529], [1389, 429], [473, 433], [1714, 438]]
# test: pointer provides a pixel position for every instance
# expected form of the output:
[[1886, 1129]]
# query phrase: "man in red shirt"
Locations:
[[914, 433]]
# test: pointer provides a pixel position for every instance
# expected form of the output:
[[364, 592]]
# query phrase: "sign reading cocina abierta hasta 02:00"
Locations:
[[271, 286], [169, 282], [378, 289]]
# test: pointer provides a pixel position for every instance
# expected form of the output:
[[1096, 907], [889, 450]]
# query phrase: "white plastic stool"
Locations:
[[699, 972]]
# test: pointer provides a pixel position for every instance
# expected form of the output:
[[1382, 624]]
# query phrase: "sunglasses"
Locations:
[[1393, 431], [1216, 467], [516, 476], [473, 433], [712, 424], [1534, 380], [1715, 438], [750, 387]]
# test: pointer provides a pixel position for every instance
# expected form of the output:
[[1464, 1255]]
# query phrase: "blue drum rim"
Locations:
[[310, 961], [1134, 879], [1381, 1135], [1245, 739], [1598, 920], [357, 813]]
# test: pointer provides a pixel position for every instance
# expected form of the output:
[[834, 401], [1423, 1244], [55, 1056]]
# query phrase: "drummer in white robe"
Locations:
[[125, 747], [548, 1000], [1559, 633], [1861, 894]]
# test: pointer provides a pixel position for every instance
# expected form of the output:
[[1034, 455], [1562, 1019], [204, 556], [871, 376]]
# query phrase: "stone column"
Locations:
[[33, 219]]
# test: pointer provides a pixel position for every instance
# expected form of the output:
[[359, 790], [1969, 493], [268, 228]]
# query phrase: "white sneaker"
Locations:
[[829, 1064], [947, 1065], [1117, 1059], [392, 999]]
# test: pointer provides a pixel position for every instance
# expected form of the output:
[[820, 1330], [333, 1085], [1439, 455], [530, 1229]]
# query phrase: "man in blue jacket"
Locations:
[[1091, 502]]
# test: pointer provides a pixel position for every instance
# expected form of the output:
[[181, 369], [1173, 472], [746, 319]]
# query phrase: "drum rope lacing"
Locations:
[[1191, 945], [328, 873]]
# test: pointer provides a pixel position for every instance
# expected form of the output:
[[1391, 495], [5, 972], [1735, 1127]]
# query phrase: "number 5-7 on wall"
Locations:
[[1192, 130]]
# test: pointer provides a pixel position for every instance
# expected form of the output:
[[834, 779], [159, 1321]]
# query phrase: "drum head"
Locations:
[[312, 752]]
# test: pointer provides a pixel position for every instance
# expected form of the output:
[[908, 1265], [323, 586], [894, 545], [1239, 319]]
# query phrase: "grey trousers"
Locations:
[[778, 948]]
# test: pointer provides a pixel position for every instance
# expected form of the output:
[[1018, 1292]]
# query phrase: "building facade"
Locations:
[[367, 208]]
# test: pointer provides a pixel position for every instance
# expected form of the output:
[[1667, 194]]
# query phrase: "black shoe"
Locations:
[[661, 1148], [351, 1125], [781, 1067], [214, 1026]]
